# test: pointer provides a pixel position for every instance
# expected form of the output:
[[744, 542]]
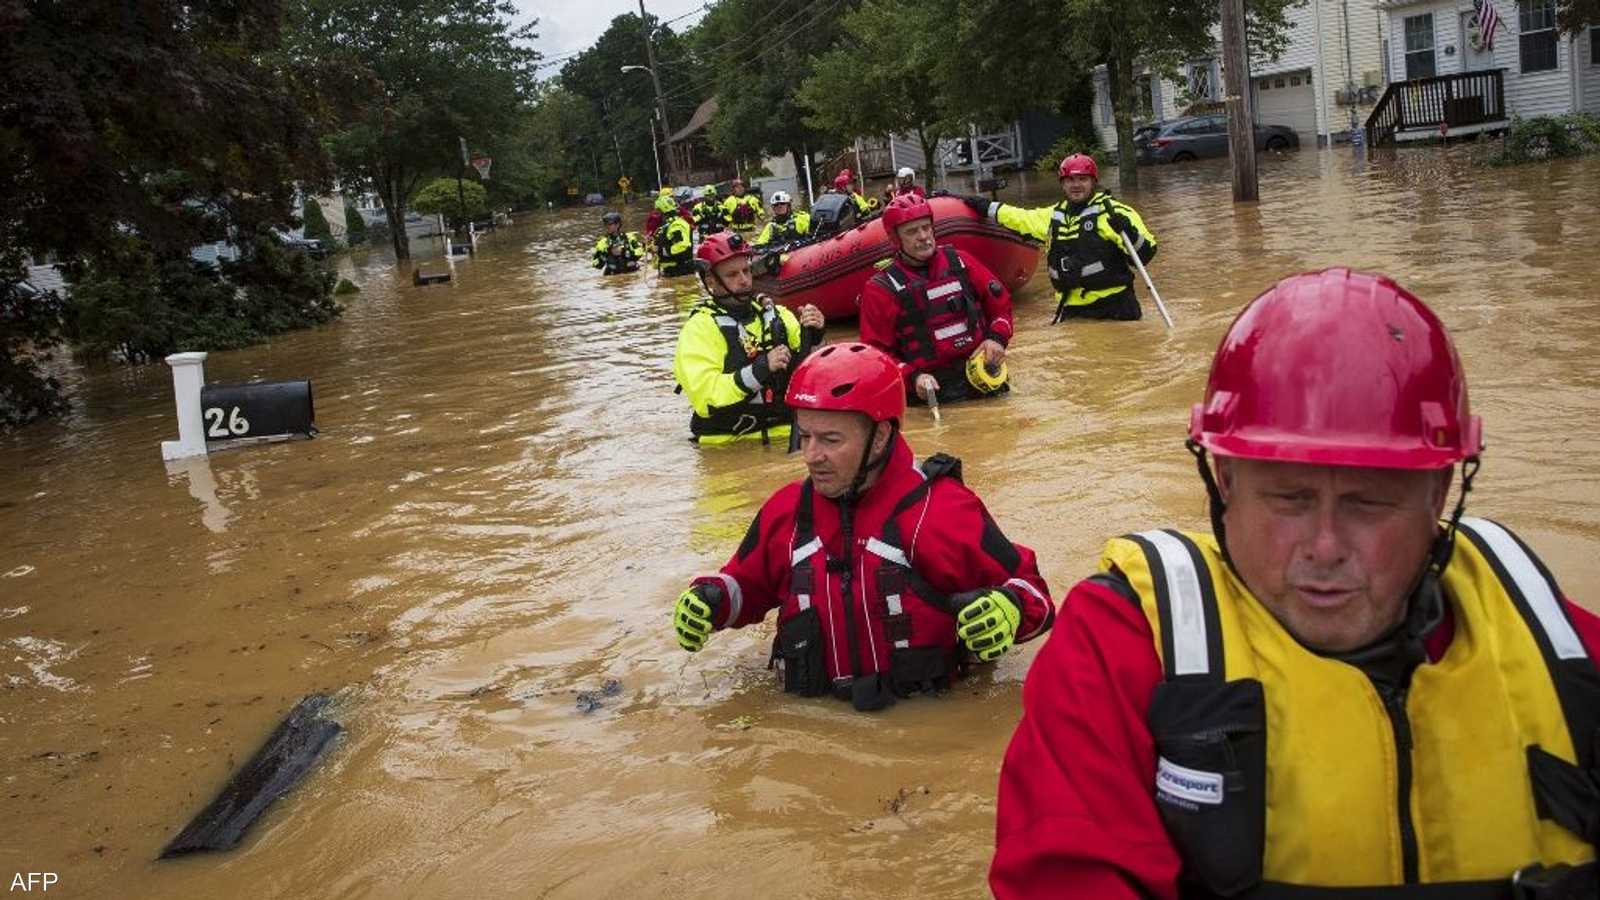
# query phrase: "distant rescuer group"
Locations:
[[1348, 688]]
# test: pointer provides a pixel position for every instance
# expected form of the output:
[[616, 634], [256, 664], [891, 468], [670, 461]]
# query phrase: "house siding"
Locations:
[[1358, 24], [1588, 73], [1536, 94]]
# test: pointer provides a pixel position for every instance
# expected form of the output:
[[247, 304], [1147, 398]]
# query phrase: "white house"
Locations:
[[1330, 75], [1526, 63]]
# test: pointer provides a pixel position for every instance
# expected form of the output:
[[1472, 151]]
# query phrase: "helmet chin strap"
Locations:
[[734, 301], [868, 464]]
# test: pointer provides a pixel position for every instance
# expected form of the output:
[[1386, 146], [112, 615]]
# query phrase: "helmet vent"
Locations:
[[842, 389]]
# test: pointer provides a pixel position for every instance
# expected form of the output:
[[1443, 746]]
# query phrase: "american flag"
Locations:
[[1488, 21]]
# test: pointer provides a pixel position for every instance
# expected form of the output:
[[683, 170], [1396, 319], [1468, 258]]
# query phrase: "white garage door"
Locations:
[[1289, 99]]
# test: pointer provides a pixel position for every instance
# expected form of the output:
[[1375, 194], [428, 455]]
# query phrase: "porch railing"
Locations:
[[1464, 98]]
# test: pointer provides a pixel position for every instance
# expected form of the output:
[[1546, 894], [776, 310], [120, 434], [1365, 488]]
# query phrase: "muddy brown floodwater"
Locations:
[[502, 506]]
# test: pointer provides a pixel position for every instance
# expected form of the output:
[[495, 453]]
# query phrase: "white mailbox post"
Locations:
[[188, 376]]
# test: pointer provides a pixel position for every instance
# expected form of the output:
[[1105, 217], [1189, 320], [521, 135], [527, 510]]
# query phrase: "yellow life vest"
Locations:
[[1281, 769]]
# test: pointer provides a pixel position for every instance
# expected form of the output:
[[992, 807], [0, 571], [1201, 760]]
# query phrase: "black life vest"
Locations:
[[1079, 255], [763, 409]]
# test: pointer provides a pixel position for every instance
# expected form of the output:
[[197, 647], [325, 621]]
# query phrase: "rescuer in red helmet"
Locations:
[[734, 351], [844, 183], [1087, 238], [935, 309], [888, 577], [1348, 689]]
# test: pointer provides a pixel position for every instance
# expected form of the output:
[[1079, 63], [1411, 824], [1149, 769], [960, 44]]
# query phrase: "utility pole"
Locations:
[[1241, 114], [661, 103]]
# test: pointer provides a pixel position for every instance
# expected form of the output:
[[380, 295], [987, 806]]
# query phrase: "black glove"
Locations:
[[979, 205], [1119, 223]]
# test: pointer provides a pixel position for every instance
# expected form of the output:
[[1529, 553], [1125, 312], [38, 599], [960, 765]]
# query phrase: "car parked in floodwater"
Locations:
[[1199, 137]]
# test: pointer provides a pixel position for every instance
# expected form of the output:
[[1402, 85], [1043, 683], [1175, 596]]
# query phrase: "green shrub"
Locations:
[[30, 330], [442, 196], [355, 227], [1065, 147], [346, 286], [316, 224], [135, 307], [1548, 137]]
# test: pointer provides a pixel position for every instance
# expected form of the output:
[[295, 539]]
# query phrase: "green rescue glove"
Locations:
[[987, 622], [695, 614]]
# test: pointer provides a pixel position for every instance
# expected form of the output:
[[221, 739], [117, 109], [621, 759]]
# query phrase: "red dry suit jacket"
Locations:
[[885, 326], [948, 537], [1077, 815]]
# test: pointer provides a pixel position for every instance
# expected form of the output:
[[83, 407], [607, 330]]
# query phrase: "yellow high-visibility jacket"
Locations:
[[720, 367], [1087, 259]]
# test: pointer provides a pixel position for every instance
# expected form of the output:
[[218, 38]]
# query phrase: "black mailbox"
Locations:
[[261, 411]]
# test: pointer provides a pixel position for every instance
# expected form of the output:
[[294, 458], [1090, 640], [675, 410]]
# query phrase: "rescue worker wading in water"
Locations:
[[785, 227], [674, 241], [905, 183], [734, 354], [938, 310], [709, 216], [1341, 693], [887, 577], [742, 210], [1084, 248], [844, 183], [617, 251]]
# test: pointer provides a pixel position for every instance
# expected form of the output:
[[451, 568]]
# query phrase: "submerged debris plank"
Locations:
[[288, 754]]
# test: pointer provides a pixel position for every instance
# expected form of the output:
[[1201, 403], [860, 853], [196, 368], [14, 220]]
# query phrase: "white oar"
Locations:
[[1147, 282], [933, 406]]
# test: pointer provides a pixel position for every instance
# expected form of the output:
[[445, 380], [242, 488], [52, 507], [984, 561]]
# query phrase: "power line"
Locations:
[[766, 45]]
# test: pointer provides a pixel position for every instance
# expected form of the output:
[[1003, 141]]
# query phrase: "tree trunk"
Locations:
[[928, 143], [1124, 91], [394, 209]]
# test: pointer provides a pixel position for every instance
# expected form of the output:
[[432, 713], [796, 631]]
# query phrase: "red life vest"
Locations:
[[941, 320], [867, 626]]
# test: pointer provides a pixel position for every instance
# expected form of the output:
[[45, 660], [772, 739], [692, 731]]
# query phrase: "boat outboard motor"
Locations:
[[831, 214]]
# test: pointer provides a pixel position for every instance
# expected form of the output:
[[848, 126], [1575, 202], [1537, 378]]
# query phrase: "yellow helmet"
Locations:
[[982, 377], [665, 203]]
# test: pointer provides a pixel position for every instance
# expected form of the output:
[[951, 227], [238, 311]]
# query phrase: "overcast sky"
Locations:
[[567, 26]]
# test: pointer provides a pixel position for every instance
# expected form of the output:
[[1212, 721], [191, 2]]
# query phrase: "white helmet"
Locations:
[[781, 197], [906, 172]]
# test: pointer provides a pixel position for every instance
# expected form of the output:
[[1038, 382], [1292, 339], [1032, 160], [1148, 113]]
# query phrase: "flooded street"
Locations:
[[503, 504]]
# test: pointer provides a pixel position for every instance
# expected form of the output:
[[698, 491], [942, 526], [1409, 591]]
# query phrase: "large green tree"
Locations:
[[162, 123], [403, 81], [1124, 35], [888, 74], [759, 54]]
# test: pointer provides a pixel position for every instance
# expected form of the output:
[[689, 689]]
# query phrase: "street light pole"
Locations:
[[661, 103]]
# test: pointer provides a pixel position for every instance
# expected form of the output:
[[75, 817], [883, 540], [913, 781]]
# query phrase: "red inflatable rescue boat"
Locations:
[[831, 272]]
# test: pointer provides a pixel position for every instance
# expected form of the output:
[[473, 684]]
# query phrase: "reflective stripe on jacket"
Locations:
[[716, 368], [795, 227], [1086, 257], [1280, 766], [863, 597]]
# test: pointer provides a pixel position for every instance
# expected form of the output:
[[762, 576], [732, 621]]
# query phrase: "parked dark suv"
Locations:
[[1197, 137]]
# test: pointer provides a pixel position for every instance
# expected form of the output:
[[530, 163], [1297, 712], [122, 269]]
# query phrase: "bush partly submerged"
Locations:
[[1548, 137]]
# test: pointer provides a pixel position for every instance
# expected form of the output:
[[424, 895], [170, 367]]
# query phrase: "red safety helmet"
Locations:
[[1078, 164], [1338, 368], [849, 378], [720, 246], [842, 180], [902, 209]]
